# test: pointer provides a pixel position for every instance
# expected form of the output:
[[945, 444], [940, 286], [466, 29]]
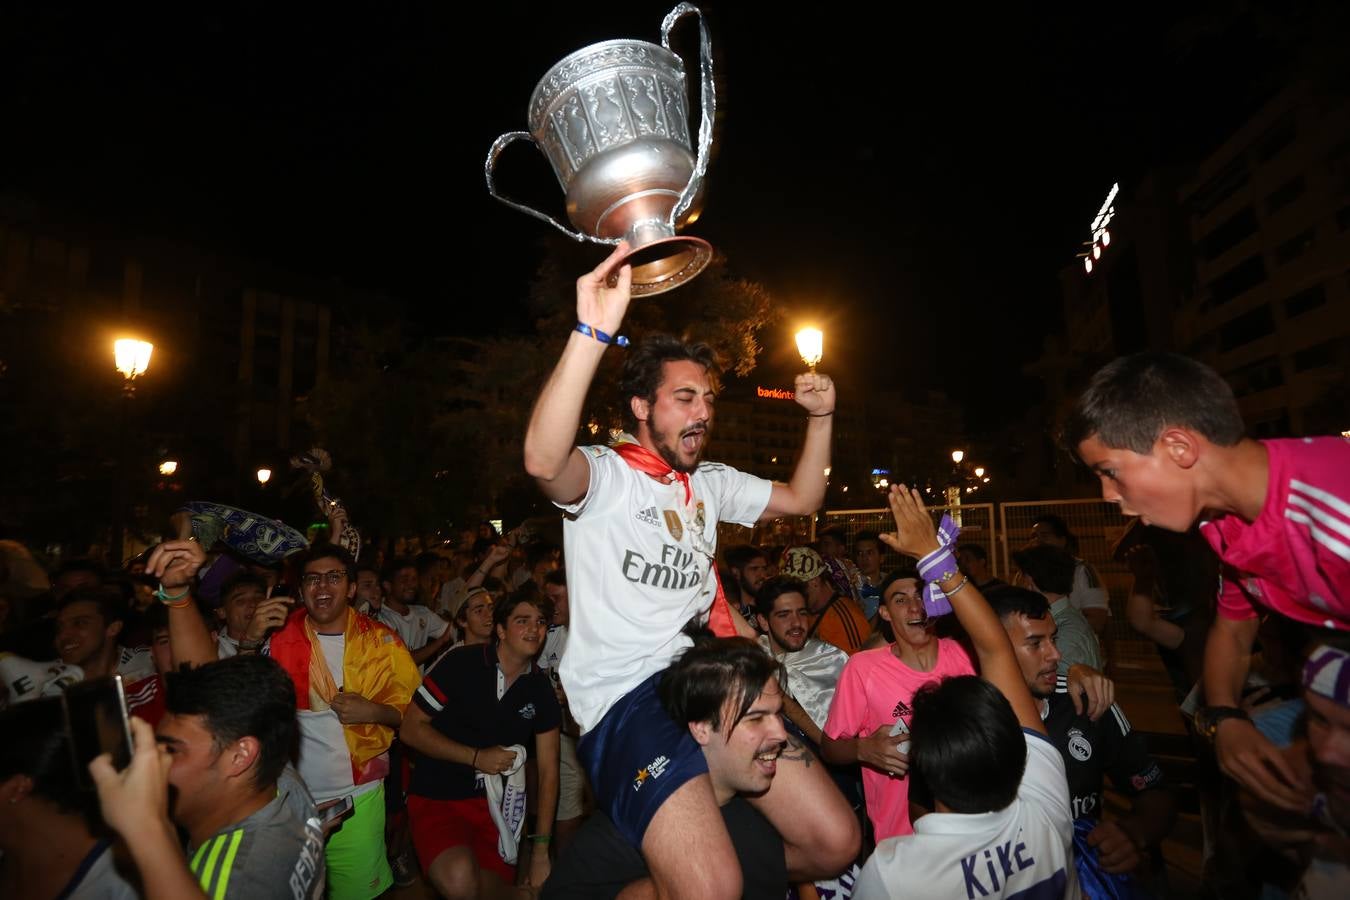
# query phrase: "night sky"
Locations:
[[914, 178]]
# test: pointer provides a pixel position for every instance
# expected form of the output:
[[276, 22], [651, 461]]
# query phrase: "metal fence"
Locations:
[[977, 527], [1096, 524]]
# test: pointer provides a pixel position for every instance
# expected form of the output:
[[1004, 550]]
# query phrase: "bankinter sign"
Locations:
[[774, 393]]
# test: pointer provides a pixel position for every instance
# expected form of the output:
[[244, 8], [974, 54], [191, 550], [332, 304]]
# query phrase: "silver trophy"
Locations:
[[612, 118]]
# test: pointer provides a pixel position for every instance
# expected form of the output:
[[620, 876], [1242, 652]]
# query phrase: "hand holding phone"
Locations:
[[138, 795], [97, 724]]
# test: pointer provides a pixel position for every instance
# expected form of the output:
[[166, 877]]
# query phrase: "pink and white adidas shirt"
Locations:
[[1295, 558]]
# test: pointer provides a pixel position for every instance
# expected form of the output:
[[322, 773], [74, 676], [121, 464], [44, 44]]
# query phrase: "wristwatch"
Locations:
[[1207, 719]]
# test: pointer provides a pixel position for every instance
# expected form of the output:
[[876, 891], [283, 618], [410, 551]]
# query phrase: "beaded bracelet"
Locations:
[[600, 336]]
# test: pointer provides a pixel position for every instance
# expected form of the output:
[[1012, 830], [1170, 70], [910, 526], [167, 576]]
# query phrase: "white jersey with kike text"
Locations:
[[1021, 852], [638, 569]]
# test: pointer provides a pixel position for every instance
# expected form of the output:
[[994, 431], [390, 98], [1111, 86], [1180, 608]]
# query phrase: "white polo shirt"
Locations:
[[1024, 851], [638, 564]]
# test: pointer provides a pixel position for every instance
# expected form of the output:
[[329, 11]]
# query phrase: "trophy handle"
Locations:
[[489, 167], [708, 102]]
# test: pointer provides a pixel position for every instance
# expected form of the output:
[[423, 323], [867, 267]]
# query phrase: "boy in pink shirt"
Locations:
[[873, 700], [1164, 435]]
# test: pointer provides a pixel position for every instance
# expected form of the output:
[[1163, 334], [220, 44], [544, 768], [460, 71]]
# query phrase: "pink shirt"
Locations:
[[876, 689], [1295, 558]]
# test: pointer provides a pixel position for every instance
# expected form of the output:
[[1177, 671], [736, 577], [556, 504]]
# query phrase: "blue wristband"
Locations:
[[601, 336]]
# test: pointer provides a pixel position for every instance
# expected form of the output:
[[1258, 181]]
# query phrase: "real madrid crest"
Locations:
[[673, 524], [1080, 748]]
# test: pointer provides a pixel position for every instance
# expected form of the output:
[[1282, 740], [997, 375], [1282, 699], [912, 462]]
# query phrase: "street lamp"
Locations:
[[979, 471], [264, 476], [168, 467], [958, 455], [132, 358], [811, 346]]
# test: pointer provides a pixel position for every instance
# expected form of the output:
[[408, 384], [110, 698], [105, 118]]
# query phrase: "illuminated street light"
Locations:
[[264, 476], [979, 471], [132, 357], [168, 467], [958, 455], [811, 346], [986, 479]]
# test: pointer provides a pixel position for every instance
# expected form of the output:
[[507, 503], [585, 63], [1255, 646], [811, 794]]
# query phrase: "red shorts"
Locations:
[[438, 825]]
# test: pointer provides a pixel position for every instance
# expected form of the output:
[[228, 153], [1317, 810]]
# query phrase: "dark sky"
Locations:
[[906, 174]]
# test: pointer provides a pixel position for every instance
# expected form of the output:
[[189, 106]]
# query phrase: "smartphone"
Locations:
[[336, 810], [97, 722]]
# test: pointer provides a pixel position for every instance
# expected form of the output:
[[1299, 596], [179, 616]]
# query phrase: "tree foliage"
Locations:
[[425, 433]]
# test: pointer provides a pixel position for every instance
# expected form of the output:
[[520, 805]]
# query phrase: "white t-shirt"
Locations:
[[325, 762], [1088, 591], [135, 663], [26, 679], [226, 646], [638, 563], [419, 627], [1023, 851]]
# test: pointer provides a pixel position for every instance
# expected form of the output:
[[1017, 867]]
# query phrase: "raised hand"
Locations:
[[915, 534], [815, 393], [599, 304], [175, 563]]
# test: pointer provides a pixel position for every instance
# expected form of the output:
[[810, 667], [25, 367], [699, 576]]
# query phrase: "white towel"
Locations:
[[506, 803]]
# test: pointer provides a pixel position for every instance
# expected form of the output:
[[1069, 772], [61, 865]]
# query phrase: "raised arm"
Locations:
[[551, 456], [175, 564], [915, 536], [803, 495]]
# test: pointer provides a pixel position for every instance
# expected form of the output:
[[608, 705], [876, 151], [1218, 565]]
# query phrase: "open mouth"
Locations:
[[691, 439], [768, 760]]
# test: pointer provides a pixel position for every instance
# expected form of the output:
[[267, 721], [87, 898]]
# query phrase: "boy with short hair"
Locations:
[[1164, 435]]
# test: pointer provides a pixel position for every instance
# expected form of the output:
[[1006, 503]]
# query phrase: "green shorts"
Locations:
[[357, 867]]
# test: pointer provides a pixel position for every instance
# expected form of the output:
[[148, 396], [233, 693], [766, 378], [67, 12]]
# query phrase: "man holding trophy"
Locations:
[[640, 539]]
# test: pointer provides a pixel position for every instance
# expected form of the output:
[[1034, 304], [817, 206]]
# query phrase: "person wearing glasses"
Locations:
[[353, 678]]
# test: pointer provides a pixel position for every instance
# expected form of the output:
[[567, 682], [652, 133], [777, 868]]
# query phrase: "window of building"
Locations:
[[1285, 194], [1295, 247], [1248, 327], [1255, 377], [1228, 235], [1237, 280], [1305, 300], [1276, 138], [1315, 357], [1226, 182]]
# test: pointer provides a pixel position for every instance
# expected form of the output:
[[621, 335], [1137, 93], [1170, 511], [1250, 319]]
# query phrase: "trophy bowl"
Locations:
[[612, 120]]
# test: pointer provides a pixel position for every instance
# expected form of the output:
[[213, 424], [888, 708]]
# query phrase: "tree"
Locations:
[[422, 434]]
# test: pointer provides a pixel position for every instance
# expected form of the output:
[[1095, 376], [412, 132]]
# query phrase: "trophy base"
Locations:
[[664, 264]]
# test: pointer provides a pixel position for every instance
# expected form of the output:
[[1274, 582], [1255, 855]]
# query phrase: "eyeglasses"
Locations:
[[332, 578]]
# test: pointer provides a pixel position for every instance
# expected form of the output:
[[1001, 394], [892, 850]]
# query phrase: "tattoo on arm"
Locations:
[[796, 751]]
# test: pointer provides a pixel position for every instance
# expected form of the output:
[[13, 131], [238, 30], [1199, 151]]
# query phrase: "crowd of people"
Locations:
[[642, 713]]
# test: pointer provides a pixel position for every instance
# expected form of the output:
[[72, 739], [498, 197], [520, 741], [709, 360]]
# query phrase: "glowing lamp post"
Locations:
[[264, 476], [168, 467], [131, 357], [811, 346]]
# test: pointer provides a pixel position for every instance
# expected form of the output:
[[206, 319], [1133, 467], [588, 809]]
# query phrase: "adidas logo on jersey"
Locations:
[[649, 516], [901, 710]]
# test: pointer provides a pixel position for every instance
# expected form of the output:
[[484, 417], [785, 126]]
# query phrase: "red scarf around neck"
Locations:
[[648, 463]]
